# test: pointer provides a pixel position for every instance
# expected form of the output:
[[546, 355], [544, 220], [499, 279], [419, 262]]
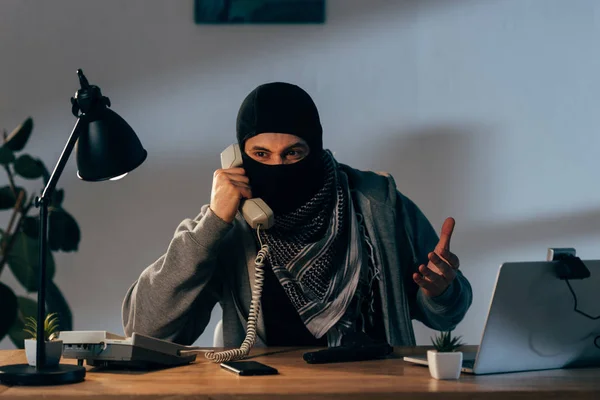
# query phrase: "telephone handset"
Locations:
[[255, 211], [259, 216]]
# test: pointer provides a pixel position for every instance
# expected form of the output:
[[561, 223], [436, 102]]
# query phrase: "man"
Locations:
[[348, 252]]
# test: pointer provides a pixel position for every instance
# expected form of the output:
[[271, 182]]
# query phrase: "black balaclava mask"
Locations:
[[282, 108]]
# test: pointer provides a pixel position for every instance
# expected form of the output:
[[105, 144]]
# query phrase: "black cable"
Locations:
[[579, 311], [597, 339]]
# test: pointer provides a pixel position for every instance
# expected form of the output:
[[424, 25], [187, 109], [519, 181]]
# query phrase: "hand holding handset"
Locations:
[[255, 211], [259, 216]]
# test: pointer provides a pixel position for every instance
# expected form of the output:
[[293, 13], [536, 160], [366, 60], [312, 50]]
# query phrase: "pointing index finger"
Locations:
[[447, 229]]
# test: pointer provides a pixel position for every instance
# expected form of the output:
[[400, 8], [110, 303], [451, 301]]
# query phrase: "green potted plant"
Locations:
[[445, 362], [53, 344], [19, 240]]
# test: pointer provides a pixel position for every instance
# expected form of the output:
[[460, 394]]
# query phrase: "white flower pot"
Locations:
[[444, 365], [54, 351]]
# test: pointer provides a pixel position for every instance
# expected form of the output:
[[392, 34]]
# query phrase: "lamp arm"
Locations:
[[42, 203], [62, 160]]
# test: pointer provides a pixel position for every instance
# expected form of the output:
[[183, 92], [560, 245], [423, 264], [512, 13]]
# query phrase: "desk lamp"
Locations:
[[107, 148]]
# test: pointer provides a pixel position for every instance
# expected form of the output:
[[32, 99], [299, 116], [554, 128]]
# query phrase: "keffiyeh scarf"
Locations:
[[316, 254]]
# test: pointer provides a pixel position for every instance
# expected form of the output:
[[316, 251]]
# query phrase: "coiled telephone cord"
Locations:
[[259, 277]]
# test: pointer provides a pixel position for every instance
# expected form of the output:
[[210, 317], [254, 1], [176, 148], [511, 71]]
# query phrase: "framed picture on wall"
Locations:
[[259, 11]]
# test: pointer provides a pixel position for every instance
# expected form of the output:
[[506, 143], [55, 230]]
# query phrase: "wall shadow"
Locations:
[[126, 226], [433, 166], [554, 231]]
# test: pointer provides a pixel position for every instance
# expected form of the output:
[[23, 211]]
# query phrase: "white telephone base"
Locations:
[[104, 349]]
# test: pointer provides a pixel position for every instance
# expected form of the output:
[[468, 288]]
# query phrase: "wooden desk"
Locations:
[[384, 379]]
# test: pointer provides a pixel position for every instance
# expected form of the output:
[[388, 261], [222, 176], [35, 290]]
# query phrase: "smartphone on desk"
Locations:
[[248, 368]]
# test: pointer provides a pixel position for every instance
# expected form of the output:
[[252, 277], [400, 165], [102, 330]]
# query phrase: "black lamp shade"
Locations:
[[107, 147]]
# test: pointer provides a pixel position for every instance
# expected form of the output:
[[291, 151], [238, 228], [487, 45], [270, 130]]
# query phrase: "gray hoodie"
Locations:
[[210, 261]]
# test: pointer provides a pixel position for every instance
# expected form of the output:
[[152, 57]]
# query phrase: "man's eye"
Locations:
[[295, 154], [260, 154]]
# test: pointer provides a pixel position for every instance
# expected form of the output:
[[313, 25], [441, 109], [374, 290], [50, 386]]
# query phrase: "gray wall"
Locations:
[[483, 110]]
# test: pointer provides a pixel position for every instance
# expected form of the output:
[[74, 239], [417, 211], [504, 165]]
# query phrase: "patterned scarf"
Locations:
[[316, 255]]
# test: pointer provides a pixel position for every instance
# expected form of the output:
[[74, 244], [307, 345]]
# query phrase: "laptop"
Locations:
[[532, 323]]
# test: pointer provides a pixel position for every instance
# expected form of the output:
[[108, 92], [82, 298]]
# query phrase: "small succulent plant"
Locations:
[[50, 327], [446, 343]]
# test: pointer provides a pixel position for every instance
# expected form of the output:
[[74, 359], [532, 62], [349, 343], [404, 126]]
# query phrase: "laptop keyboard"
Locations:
[[468, 363]]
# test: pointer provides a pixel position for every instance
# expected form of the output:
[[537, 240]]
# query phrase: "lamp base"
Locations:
[[26, 375]]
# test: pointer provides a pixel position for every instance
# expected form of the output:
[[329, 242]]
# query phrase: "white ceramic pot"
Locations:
[[54, 351], [444, 365]]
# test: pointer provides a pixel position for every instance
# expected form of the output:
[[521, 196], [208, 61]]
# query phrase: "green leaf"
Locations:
[[45, 173], [30, 323], [7, 197], [56, 303], [31, 227], [29, 167], [9, 309], [18, 137], [27, 308], [24, 262], [50, 326], [446, 343], [57, 198], [63, 231], [6, 155]]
